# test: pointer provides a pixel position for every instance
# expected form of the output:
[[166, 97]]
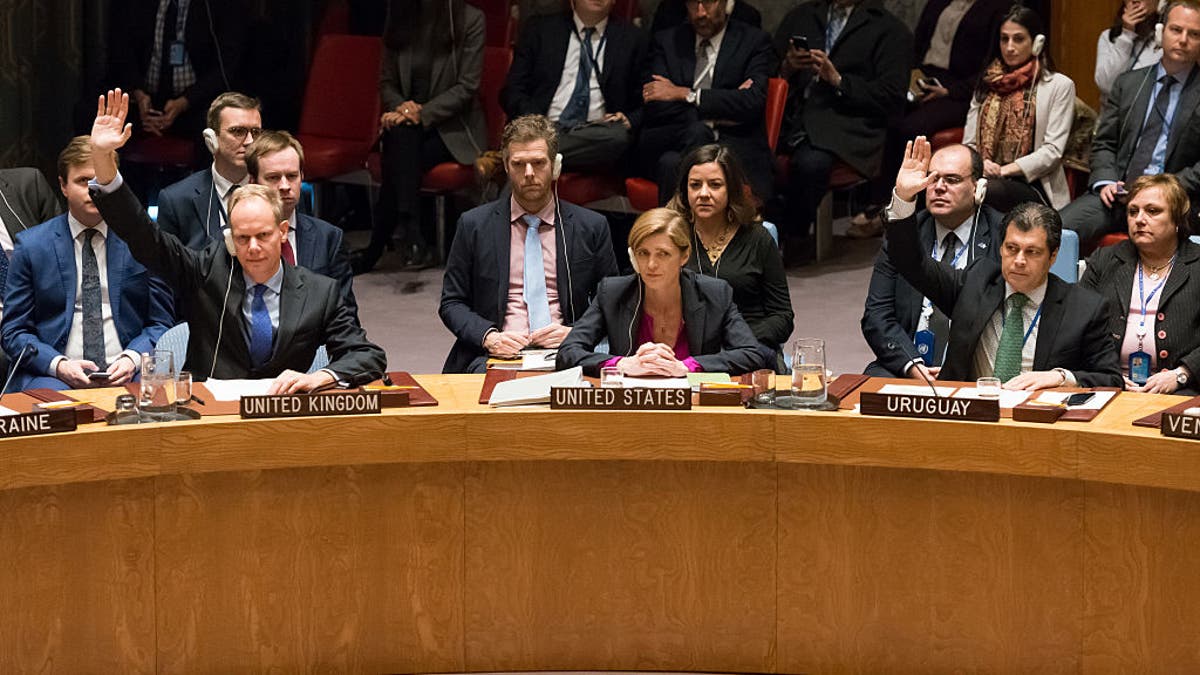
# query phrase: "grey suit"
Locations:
[[26, 199], [1117, 135]]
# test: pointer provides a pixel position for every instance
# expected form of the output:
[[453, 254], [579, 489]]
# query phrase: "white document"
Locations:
[[915, 390], [656, 382], [7, 411], [234, 390], [1008, 398], [538, 359], [536, 389], [1098, 400]]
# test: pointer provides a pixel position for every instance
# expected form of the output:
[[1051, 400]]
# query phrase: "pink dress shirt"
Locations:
[[516, 314]]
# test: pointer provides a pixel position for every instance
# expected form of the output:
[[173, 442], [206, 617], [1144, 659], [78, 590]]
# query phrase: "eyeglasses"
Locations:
[[951, 180], [706, 3], [240, 132]]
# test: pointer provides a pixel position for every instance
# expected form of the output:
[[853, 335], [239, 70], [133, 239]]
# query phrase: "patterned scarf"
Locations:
[[1007, 114]]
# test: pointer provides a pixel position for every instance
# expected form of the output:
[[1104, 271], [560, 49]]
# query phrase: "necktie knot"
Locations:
[[532, 221], [1167, 81], [704, 45], [588, 33], [88, 235], [949, 247], [259, 289], [1017, 301]]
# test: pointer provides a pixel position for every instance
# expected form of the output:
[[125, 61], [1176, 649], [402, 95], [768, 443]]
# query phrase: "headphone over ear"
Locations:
[[729, 6], [1158, 31], [210, 140], [556, 170], [1039, 43], [633, 260], [980, 191], [227, 233]]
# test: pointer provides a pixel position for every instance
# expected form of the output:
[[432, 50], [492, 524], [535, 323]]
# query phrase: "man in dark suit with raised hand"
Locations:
[[582, 69], [708, 83], [903, 328], [1150, 124], [522, 269], [1012, 320], [252, 314], [276, 159]]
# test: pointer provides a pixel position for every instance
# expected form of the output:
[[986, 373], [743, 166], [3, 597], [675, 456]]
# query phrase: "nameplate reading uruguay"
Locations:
[[310, 405], [929, 407], [37, 423], [1180, 426], [618, 398]]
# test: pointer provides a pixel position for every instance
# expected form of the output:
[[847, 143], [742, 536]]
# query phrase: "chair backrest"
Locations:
[[628, 10], [777, 92], [496, 62], [342, 96], [175, 340], [1066, 266]]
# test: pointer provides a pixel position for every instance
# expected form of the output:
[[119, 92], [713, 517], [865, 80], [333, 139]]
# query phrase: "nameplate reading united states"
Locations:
[[616, 398], [929, 407], [310, 405], [37, 422], [1180, 426]]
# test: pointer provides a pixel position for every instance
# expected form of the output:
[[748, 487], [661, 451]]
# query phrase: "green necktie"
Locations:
[[1008, 354]]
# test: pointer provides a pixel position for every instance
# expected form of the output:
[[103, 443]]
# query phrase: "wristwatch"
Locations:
[[693, 96], [1181, 376]]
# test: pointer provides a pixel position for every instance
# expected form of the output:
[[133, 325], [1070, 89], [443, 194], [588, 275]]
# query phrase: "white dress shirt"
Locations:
[[221, 186], [566, 84]]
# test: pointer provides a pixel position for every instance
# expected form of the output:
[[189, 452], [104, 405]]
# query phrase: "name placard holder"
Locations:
[[37, 423], [310, 405], [619, 398], [929, 407], [1180, 426]]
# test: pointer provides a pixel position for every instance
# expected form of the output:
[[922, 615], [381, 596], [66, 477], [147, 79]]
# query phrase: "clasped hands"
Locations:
[[652, 358], [155, 122], [407, 114], [660, 88], [508, 344]]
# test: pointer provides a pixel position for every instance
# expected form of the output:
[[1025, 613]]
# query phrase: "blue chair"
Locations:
[[771, 230], [175, 340], [1066, 266]]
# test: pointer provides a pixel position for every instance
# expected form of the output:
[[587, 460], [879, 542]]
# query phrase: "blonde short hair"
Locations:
[[254, 190], [661, 221], [269, 143]]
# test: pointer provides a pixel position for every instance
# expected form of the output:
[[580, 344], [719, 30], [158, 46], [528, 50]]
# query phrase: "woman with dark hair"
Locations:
[[664, 319], [731, 243], [428, 86], [1021, 116], [1130, 43], [1152, 284]]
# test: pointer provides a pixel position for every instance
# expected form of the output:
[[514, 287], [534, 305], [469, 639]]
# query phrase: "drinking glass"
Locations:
[[183, 387], [988, 387], [158, 382], [610, 376], [764, 386], [808, 373]]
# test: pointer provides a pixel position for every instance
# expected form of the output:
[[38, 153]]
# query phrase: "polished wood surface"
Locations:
[[465, 538], [1076, 27]]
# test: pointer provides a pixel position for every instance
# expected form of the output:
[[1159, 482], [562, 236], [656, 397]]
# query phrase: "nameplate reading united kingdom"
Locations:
[[1180, 426], [37, 423], [310, 405], [618, 398], [929, 407]]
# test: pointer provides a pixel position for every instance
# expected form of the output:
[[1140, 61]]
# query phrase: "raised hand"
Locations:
[[914, 175], [109, 130]]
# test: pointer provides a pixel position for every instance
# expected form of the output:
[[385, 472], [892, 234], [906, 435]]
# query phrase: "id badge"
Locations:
[[1139, 367], [177, 53], [924, 341]]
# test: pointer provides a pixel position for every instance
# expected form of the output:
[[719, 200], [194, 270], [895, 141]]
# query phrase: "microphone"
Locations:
[[12, 370], [921, 371]]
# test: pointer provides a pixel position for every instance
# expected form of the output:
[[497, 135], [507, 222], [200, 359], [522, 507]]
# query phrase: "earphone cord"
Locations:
[[221, 322]]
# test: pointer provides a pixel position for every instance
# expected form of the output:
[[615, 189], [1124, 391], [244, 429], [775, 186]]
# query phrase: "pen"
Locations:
[[197, 399]]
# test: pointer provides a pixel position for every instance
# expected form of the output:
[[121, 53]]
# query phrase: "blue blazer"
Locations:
[[39, 298]]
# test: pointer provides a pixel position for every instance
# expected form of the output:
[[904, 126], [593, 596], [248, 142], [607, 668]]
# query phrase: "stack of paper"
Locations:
[[234, 390], [536, 389]]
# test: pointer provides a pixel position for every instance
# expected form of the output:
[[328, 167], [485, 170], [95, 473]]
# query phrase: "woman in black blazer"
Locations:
[[1152, 282], [665, 319]]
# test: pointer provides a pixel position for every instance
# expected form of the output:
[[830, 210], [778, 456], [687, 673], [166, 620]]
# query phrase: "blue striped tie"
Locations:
[[536, 300], [261, 331]]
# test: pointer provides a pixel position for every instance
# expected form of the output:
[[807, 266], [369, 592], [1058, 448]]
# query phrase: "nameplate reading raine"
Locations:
[[1180, 426], [616, 398], [929, 407], [310, 405], [37, 422]]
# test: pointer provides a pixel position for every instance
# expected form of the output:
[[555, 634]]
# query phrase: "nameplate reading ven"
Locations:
[[37, 422], [929, 407], [310, 405], [1180, 426], [619, 398]]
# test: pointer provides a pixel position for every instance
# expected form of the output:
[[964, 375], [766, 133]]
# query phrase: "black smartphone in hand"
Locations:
[[799, 42]]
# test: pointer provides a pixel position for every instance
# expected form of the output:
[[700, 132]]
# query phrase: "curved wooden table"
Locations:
[[461, 538]]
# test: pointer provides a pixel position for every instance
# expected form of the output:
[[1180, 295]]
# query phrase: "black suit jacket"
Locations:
[[311, 310], [1121, 123], [1110, 272], [322, 250], [893, 308], [475, 285], [970, 47], [718, 337], [873, 54], [745, 55], [1073, 332], [540, 56], [26, 199]]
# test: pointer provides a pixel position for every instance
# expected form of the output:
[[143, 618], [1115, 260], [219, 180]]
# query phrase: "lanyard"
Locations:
[[1029, 331], [1145, 299]]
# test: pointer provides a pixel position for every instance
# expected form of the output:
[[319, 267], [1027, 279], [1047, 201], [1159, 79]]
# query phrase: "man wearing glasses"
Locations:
[[194, 208]]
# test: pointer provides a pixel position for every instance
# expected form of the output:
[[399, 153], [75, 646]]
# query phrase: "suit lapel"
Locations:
[[730, 46], [695, 314], [304, 235], [10, 217], [291, 308], [1137, 116], [857, 19], [560, 40], [1180, 272], [1188, 101], [1052, 316], [64, 252], [207, 203], [993, 298], [685, 48], [1122, 279], [560, 266], [614, 48], [501, 226]]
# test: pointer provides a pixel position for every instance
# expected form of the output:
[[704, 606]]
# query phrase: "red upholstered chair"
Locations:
[[339, 119], [843, 177], [946, 137], [629, 10], [160, 151], [1112, 239], [449, 177]]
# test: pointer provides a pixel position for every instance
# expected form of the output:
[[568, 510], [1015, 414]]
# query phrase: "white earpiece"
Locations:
[[633, 261], [1039, 43], [227, 233], [980, 191], [1158, 30], [210, 140], [729, 6], [556, 171]]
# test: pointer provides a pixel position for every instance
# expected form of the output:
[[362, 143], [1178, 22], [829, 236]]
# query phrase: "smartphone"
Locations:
[[929, 82], [1080, 398], [800, 42], [98, 375]]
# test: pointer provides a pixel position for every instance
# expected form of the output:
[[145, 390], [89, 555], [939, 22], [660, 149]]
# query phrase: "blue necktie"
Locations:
[[1144, 152], [261, 332], [93, 317], [837, 21], [576, 111], [536, 300]]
